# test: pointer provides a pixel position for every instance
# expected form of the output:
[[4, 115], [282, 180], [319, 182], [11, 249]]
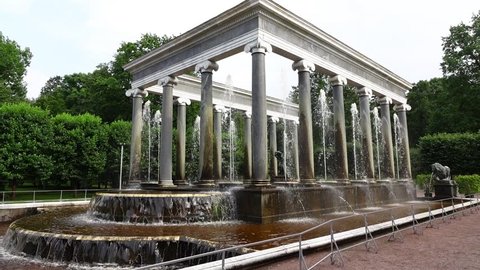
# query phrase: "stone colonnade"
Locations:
[[256, 172]]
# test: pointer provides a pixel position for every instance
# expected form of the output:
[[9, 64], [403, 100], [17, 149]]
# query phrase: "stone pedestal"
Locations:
[[445, 190]]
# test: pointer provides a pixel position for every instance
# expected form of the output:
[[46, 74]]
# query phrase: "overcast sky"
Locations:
[[68, 36]]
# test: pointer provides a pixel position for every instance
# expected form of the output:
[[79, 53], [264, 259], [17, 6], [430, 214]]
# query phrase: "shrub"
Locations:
[[26, 137], [468, 184], [422, 179]]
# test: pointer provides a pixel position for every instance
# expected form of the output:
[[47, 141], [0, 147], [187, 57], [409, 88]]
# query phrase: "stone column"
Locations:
[[247, 174], [180, 179], [364, 95], [388, 160], [273, 146], [137, 96], [405, 166], [217, 145], [295, 150], [167, 131], [206, 123], [258, 49], [341, 172], [305, 134]]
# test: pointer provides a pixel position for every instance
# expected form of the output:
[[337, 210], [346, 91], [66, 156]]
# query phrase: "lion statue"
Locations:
[[440, 173]]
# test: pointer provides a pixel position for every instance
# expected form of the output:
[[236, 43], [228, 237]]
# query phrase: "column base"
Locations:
[[404, 180], [259, 183], [205, 183], [166, 183], [180, 182], [360, 181], [343, 181], [385, 181], [308, 182]]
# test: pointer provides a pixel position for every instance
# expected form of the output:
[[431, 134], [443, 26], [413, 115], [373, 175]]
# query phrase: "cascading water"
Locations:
[[377, 124], [147, 119], [396, 131], [157, 120], [355, 139], [229, 124], [323, 116], [195, 157]]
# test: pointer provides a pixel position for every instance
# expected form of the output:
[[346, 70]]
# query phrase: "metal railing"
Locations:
[[412, 220], [35, 196]]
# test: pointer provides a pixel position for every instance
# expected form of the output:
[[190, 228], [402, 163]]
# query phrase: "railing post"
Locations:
[[34, 196], [223, 260], [300, 253], [85, 194], [3, 197], [61, 195]]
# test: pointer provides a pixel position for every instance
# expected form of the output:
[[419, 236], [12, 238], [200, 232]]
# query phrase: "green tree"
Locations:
[[101, 92], [79, 149], [26, 137], [13, 66], [119, 133], [461, 50]]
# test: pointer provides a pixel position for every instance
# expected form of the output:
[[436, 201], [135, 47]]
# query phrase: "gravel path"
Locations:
[[452, 245]]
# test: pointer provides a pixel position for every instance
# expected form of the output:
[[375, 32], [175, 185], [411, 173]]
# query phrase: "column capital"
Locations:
[[183, 101], [273, 119], [258, 46], [338, 80], [248, 114], [364, 91], [402, 107], [137, 92], [384, 100], [206, 66], [303, 65], [220, 108], [171, 80]]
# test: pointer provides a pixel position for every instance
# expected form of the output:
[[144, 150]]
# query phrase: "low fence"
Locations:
[[299, 242], [35, 196]]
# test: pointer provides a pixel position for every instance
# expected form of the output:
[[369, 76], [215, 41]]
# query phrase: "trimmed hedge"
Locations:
[[468, 184], [459, 151], [75, 150]]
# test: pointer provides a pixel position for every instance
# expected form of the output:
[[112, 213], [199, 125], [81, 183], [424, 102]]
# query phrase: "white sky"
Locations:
[[68, 36]]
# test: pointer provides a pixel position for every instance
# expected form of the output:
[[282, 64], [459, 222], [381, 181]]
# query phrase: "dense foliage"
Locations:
[[459, 151], [13, 66], [450, 104], [65, 150], [468, 184], [101, 92]]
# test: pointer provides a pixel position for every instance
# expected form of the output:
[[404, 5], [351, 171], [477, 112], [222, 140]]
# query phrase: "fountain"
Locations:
[[324, 117], [161, 221]]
